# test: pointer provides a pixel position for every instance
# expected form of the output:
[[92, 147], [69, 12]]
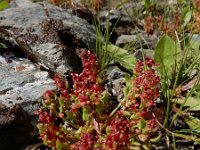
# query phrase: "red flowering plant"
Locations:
[[164, 24], [83, 117]]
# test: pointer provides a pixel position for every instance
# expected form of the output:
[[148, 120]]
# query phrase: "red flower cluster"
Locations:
[[197, 4], [87, 141], [119, 135], [164, 25], [145, 90], [149, 25], [86, 85], [49, 131], [44, 116], [61, 85], [142, 95]]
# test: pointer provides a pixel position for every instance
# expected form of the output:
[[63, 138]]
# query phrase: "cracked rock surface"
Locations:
[[47, 34], [22, 85]]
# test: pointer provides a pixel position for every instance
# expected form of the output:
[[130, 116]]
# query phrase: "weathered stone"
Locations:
[[21, 88], [126, 39], [139, 40], [116, 82], [115, 73], [47, 34], [114, 16]]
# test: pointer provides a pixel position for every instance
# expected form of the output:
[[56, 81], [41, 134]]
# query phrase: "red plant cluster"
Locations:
[[44, 116], [197, 4], [87, 86], [55, 2], [119, 135], [135, 122], [57, 104], [86, 142], [149, 25], [142, 95], [50, 133], [162, 24], [145, 90], [75, 119]]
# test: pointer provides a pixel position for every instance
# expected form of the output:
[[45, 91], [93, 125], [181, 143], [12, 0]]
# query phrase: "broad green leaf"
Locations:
[[195, 45], [192, 102], [3, 5], [121, 56], [192, 122], [167, 54]]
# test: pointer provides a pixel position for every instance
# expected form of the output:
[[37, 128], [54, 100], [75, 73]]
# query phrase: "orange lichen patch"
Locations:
[[20, 68]]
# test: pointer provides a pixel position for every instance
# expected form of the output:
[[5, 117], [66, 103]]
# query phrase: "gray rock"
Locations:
[[116, 82], [139, 40], [114, 16], [126, 39], [115, 88], [144, 52], [195, 37], [114, 73], [22, 85], [47, 34]]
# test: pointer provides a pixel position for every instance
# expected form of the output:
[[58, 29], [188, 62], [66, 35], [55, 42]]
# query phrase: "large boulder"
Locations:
[[21, 88], [47, 34]]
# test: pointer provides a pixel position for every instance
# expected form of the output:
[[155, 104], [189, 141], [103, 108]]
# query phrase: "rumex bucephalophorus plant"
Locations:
[[83, 117]]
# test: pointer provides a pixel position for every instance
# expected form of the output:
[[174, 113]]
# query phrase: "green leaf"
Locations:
[[157, 138], [103, 103], [127, 79], [121, 4], [136, 143], [195, 45], [147, 4], [167, 54], [192, 102], [187, 17], [85, 114], [58, 145], [141, 124], [121, 56], [192, 122], [127, 87], [45, 142], [104, 97], [2, 45], [3, 5]]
